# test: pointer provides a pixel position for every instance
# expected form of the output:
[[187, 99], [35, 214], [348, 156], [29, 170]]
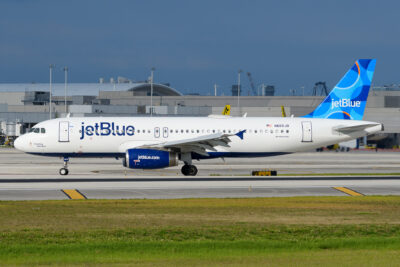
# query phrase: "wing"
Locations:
[[198, 144]]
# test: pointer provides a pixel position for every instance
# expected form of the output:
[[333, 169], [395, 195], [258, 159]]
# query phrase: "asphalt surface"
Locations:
[[26, 177], [201, 187]]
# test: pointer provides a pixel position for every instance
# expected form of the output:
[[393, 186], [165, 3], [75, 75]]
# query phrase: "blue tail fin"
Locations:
[[348, 99]]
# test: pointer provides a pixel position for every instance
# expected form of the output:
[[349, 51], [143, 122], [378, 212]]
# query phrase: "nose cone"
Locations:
[[19, 143]]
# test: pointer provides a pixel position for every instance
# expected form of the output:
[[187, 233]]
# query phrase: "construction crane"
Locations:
[[252, 83], [321, 87]]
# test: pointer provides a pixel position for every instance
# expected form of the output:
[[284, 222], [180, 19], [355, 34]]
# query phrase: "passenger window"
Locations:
[[181, 131], [198, 131], [187, 130], [213, 131], [255, 131], [171, 131], [138, 131], [42, 130]]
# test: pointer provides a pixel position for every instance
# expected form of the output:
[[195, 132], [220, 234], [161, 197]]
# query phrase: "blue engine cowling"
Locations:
[[137, 158]]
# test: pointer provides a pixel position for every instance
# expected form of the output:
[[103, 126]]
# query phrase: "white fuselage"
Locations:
[[112, 136]]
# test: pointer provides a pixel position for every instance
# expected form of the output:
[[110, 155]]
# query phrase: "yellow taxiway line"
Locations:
[[73, 194], [348, 191]]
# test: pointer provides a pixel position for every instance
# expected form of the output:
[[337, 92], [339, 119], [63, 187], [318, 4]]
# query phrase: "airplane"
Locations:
[[161, 142]]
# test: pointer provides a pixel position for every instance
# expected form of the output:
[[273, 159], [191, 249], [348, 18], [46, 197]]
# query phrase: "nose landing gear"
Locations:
[[64, 170]]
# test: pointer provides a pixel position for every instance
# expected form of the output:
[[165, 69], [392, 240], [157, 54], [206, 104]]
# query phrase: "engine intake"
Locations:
[[137, 158]]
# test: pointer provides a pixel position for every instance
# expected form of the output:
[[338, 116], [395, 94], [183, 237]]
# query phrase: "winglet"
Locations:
[[240, 134]]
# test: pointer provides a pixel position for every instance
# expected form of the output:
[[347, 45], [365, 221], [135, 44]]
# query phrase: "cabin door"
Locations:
[[63, 131], [307, 131]]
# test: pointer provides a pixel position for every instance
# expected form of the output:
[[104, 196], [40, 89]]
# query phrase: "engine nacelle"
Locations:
[[137, 158]]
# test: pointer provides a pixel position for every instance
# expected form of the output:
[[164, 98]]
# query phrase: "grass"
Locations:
[[297, 231]]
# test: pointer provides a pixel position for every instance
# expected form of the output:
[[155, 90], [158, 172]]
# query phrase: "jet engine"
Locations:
[[137, 158]]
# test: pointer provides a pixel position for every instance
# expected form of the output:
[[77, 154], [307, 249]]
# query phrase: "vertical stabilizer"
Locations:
[[349, 97]]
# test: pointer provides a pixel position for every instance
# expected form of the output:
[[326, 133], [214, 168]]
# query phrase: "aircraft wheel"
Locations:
[[193, 170], [63, 171], [189, 170], [185, 170]]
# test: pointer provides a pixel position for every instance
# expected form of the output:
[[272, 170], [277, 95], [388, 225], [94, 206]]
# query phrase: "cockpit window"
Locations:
[[37, 130]]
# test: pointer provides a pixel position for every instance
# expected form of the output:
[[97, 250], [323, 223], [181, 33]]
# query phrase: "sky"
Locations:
[[195, 44]]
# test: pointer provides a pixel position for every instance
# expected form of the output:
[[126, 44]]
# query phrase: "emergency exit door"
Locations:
[[307, 131], [165, 132], [157, 132], [63, 131]]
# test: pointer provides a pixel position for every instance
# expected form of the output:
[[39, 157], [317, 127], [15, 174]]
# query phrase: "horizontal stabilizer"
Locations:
[[355, 128]]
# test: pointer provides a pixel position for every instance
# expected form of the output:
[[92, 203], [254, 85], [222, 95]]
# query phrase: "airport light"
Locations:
[[151, 91], [65, 87], [51, 66], [238, 99]]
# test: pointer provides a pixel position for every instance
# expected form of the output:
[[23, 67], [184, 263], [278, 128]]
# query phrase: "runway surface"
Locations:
[[201, 187], [25, 177]]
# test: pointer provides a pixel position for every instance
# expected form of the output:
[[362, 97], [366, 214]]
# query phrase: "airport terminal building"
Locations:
[[23, 105]]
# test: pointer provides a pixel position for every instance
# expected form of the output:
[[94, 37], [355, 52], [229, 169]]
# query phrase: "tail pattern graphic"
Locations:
[[349, 97]]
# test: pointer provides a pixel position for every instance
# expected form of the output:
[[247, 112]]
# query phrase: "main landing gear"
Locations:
[[189, 170], [64, 170]]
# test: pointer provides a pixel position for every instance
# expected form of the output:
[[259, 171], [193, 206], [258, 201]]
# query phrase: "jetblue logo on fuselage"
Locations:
[[345, 103], [106, 129]]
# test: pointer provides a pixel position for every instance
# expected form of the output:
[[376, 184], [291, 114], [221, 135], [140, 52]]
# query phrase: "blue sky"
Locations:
[[194, 44]]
